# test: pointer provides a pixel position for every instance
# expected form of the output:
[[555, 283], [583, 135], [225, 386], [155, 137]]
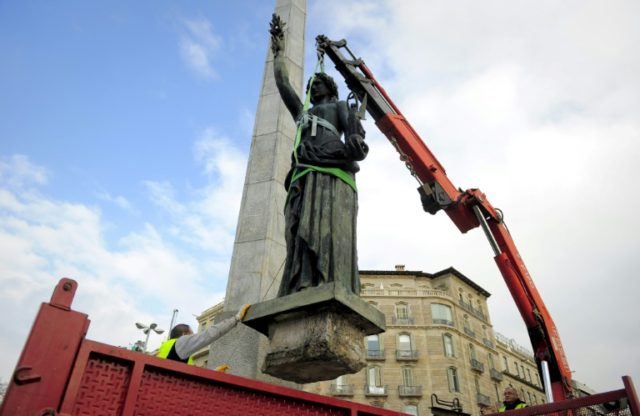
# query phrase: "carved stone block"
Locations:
[[317, 334]]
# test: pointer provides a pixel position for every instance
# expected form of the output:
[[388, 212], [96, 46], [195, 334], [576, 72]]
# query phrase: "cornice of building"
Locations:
[[212, 311], [419, 273]]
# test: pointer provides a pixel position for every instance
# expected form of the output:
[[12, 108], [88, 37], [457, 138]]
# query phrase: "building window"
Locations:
[[529, 375], [467, 327], [506, 363], [491, 363], [447, 339], [530, 399], [517, 372], [407, 376], [404, 342], [411, 409], [472, 352], [495, 387], [441, 314], [476, 381], [522, 373], [402, 311], [452, 376], [373, 343], [374, 377]]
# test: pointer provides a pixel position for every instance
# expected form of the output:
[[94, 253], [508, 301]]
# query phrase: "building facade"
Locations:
[[439, 355]]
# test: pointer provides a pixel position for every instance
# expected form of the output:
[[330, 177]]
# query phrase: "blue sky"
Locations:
[[126, 127]]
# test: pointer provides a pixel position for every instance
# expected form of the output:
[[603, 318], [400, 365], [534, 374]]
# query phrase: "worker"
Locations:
[[183, 342], [511, 400]]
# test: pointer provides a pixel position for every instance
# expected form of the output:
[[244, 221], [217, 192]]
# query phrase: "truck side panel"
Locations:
[[60, 373]]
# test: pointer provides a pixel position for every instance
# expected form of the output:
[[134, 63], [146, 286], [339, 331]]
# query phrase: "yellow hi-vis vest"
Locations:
[[518, 406], [165, 350]]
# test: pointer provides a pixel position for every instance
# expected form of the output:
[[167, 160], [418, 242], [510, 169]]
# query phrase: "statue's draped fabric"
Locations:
[[321, 212], [320, 218]]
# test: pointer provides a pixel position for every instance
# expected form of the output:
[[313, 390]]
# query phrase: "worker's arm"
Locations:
[[186, 345]]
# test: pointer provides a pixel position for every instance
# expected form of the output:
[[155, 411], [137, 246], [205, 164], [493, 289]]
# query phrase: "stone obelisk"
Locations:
[[259, 250]]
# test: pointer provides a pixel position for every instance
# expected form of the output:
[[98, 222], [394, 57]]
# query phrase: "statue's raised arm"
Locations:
[[277, 35], [287, 93]]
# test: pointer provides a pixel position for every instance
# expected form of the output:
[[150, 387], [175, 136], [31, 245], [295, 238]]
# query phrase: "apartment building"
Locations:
[[440, 354]]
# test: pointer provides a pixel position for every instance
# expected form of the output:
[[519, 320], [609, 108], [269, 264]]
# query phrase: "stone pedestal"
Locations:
[[316, 334]]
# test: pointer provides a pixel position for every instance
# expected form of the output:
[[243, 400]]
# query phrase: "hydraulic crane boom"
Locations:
[[467, 209]]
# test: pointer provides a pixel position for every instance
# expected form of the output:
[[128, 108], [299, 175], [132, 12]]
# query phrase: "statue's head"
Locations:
[[323, 84]]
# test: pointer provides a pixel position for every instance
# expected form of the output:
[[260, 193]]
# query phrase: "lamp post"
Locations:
[[173, 321], [147, 331]]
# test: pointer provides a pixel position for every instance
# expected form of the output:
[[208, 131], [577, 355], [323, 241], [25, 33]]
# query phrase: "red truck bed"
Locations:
[[62, 373]]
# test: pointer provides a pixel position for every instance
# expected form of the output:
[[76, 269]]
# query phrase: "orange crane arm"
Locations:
[[467, 209]]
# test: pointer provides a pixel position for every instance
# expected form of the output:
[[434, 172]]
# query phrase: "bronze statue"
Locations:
[[322, 203]]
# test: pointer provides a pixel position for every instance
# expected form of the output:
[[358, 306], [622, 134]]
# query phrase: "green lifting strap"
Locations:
[[337, 172]]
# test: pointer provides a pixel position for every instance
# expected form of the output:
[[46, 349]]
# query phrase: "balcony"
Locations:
[[469, 308], [406, 355], [483, 399], [341, 389], [488, 342], [375, 390], [410, 391], [402, 321], [442, 322], [477, 365], [496, 375], [375, 355], [469, 332]]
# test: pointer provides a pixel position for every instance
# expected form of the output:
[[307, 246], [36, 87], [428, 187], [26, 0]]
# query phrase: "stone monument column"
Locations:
[[259, 249]]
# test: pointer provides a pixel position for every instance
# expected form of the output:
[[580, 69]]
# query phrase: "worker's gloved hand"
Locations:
[[243, 311], [222, 368]]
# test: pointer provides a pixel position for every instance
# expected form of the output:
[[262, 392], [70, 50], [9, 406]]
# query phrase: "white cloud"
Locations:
[[142, 277], [539, 107], [198, 47], [17, 170], [208, 219], [118, 200]]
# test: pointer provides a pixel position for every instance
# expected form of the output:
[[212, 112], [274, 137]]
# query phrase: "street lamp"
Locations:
[[173, 320], [147, 331]]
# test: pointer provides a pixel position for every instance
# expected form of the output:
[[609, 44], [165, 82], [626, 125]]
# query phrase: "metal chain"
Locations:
[[406, 159]]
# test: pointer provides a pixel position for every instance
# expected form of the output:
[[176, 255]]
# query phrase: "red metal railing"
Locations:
[[60, 373], [623, 402]]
